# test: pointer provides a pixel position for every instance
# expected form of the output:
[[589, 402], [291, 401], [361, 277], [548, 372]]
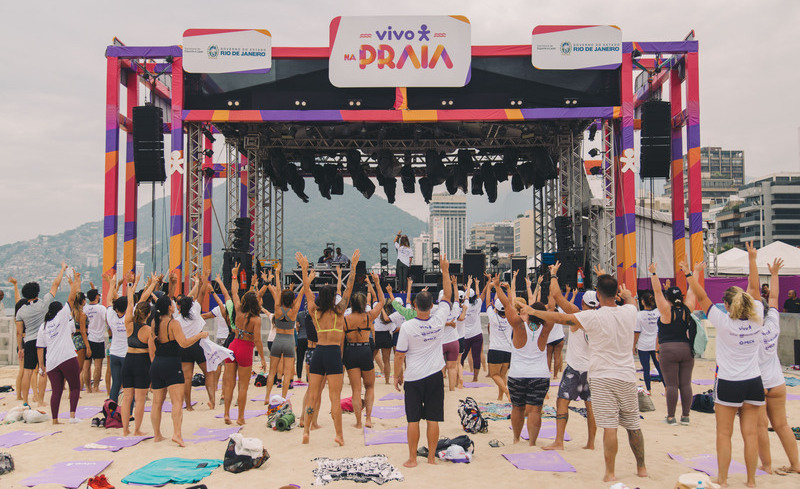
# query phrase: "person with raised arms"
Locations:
[[473, 330], [282, 350], [95, 333], [499, 356], [418, 365], [326, 363]]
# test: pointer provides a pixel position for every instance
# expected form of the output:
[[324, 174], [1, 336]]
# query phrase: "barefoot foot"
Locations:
[[227, 420], [609, 477], [305, 438], [410, 463], [553, 446], [179, 441], [339, 441], [368, 423], [158, 438], [240, 421], [641, 472], [588, 446]]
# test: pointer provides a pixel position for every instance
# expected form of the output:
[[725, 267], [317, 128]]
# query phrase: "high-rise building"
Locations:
[[523, 234], [722, 174], [448, 224], [482, 235], [422, 250], [771, 210]]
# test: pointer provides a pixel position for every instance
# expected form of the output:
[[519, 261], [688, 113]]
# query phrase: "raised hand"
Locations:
[[539, 279], [568, 288], [217, 278], [388, 288], [312, 275], [775, 266], [444, 264], [12, 280], [624, 293], [356, 256], [599, 270], [667, 284], [685, 268], [752, 252], [554, 268], [63, 265], [700, 267], [514, 275], [301, 260], [376, 279]]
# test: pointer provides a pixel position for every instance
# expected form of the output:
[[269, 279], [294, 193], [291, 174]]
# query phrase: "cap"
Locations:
[[460, 294], [590, 298], [441, 294], [673, 293], [499, 305], [471, 293]]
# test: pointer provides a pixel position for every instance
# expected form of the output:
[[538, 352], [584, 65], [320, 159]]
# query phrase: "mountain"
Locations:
[[347, 220]]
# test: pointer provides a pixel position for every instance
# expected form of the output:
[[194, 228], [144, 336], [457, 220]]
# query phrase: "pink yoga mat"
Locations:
[[67, 474], [248, 414], [166, 408], [708, 463], [115, 443], [539, 461], [14, 438], [385, 437], [548, 430]]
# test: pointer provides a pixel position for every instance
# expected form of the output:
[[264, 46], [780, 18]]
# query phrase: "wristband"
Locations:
[[130, 284], [687, 275], [653, 274]]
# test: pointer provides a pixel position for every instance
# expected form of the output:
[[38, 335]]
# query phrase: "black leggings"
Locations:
[[644, 359], [302, 346], [677, 363], [402, 275]]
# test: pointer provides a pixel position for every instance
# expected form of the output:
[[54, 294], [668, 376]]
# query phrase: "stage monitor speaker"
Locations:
[[433, 277], [245, 260], [361, 268], [148, 144], [474, 265], [563, 225], [656, 140], [455, 269], [416, 273], [519, 264], [570, 262]]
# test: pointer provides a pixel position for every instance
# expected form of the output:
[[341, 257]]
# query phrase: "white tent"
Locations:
[[735, 261], [732, 262]]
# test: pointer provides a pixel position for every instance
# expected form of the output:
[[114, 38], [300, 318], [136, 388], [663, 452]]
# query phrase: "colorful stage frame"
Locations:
[[125, 69]]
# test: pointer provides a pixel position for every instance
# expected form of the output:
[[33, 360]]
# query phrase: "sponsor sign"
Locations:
[[577, 47], [227, 51], [400, 51]]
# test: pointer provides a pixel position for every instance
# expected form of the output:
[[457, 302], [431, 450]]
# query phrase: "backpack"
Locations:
[[701, 339], [111, 413], [471, 419], [704, 402], [463, 441], [6, 463], [239, 463], [261, 380], [198, 379]]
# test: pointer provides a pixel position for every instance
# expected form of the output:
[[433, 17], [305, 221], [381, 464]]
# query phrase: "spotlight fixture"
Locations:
[[337, 182], [477, 184], [435, 250], [407, 178], [389, 185], [384, 249], [208, 134], [515, 102], [516, 183], [447, 102], [570, 102], [208, 172], [450, 184], [354, 102], [208, 152], [594, 152], [434, 168], [426, 189], [592, 131], [489, 181], [500, 172], [297, 182]]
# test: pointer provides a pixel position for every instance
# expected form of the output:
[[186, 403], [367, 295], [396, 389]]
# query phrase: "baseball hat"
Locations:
[[441, 294], [460, 294], [499, 305], [590, 298]]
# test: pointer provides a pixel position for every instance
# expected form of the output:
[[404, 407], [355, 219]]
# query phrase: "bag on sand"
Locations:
[[645, 403], [198, 379], [111, 415], [704, 402], [471, 419], [463, 441], [6, 463], [35, 416], [244, 454], [261, 380]]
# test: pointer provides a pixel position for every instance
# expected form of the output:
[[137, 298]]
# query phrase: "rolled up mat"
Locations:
[[285, 422]]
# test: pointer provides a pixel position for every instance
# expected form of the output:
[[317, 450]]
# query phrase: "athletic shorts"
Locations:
[[136, 371], [450, 351], [574, 385], [193, 354], [734, 393], [30, 355], [498, 356], [424, 398], [98, 350], [395, 335], [165, 371], [283, 345], [327, 360], [242, 352], [358, 355], [555, 342], [383, 339], [528, 391], [615, 403], [77, 342]]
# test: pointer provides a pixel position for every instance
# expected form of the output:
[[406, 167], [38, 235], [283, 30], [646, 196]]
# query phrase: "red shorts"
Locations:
[[242, 352]]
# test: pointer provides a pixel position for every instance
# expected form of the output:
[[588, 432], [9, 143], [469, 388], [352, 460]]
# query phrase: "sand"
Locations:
[[291, 462]]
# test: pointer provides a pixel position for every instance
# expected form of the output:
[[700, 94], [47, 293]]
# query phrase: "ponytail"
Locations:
[[162, 309], [740, 305], [52, 311]]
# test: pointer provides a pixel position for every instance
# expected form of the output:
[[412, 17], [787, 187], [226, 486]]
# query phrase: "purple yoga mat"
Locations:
[[115, 443], [67, 474], [793, 397], [385, 437], [703, 381], [475, 385], [262, 397], [539, 461], [19, 437], [166, 408], [388, 412], [209, 434], [548, 430], [248, 413], [555, 384], [708, 463], [81, 412], [392, 396]]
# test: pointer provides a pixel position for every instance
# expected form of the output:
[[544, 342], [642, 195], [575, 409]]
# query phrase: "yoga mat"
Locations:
[[475, 385], [792, 381], [548, 430], [555, 384], [388, 412], [703, 381], [209, 434], [539, 461], [262, 397], [393, 396], [81, 412], [793, 397], [166, 408], [67, 474], [385, 437], [708, 463], [248, 413], [174, 470], [14, 438], [115, 443]]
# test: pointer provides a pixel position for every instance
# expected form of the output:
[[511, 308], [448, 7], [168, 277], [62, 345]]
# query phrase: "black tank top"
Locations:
[[133, 339], [168, 349], [677, 331]]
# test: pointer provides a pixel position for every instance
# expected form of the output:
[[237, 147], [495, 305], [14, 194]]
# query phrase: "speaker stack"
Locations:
[[656, 156], [148, 144]]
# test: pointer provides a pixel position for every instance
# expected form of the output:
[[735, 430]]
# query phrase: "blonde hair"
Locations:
[[519, 303], [740, 305]]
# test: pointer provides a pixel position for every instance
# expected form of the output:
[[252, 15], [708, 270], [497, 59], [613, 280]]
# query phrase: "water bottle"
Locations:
[[700, 485]]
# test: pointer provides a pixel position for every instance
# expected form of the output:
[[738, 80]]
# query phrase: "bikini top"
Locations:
[[319, 330], [283, 321], [244, 334], [133, 339], [356, 330]]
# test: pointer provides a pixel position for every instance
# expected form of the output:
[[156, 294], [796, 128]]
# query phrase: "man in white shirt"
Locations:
[[420, 343], [612, 374], [96, 334]]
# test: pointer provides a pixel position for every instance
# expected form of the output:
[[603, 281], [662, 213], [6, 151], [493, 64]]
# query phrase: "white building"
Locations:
[[523, 234], [422, 250], [448, 224]]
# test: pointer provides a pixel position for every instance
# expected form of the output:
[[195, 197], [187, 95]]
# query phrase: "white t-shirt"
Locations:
[[472, 321], [219, 321], [421, 341], [529, 362], [577, 355], [768, 362], [95, 322], [499, 331], [119, 335], [395, 320], [556, 333], [451, 334], [647, 327], [610, 331], [461, 326], [738, 342], [56, 336], [404, 254], [194, 324]]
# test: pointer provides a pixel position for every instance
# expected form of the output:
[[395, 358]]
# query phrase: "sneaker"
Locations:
[[671, 421], [96, 422], [99, 482], [74, 421], [685, 420]]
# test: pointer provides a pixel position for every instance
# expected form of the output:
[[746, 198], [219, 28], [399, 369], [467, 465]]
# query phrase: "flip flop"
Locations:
[[496, 443], [786, 471]]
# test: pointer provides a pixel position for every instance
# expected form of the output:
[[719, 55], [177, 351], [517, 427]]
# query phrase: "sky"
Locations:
[[53, 82]]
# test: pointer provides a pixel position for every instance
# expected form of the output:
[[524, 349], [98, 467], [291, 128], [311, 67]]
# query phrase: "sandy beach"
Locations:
[[291, 462]]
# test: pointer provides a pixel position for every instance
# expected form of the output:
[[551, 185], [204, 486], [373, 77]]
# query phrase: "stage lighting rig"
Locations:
[[592, 131], [208, 152], [426, 189], [477, 184], [489, 181], [208, 134], [516, 183], [594, 152], [407, 178]]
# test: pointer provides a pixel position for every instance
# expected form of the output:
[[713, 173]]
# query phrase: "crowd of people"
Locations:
[[156, 337]]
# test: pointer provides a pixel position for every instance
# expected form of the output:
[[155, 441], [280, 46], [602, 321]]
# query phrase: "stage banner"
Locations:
[[227, 51], [400, 51], [577, 47]]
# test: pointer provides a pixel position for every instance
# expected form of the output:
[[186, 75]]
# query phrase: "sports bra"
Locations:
[[240, 334], [283, 322], [316, 321], [133, 339], [170, 348], [355, 330]]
